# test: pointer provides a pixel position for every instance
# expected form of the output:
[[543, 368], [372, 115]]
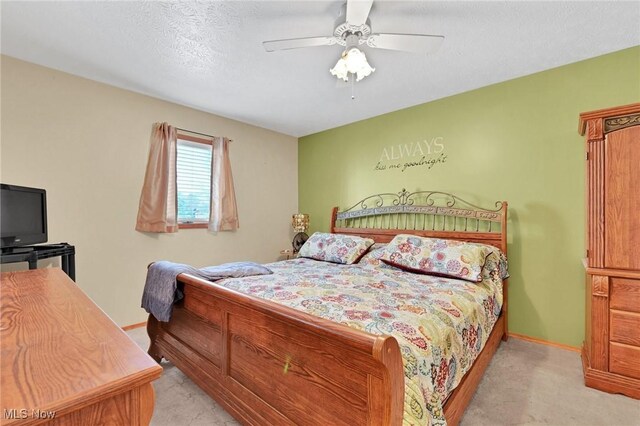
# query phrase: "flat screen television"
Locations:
[[23, 216]]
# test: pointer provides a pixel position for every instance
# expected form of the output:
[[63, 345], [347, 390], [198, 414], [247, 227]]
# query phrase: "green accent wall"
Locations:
[[515, 141]]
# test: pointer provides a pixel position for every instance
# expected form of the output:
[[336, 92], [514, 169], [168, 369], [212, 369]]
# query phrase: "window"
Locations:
[[193, 170]]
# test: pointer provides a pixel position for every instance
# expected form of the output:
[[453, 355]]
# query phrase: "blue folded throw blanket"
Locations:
[[161, 288]]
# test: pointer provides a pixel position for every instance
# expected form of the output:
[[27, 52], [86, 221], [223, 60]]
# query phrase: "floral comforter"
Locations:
[[441, 324]]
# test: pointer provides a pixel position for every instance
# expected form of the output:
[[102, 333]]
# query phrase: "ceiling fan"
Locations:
[[352, 31]]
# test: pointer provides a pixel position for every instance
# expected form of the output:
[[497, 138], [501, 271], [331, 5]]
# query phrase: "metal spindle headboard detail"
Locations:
[[421, 210]]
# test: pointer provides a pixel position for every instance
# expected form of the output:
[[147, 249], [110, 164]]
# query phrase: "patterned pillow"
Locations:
[[371, 259], [496, 266], [336, 248], [436, 256]]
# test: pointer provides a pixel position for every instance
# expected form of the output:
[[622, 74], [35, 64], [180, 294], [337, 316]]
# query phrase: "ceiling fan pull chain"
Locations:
[[352, 77]]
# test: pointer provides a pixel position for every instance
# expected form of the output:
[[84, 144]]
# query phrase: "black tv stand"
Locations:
[[17, 250], [32, 254]]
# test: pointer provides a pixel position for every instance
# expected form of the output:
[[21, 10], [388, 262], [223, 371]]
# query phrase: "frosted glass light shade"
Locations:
[[300, 222], [352, 61]]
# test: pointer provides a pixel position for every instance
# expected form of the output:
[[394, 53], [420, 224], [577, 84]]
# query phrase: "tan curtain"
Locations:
[[157, 211], [224, 212]]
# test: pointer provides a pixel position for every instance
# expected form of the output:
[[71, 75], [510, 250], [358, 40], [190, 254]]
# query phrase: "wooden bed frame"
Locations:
[[267, 363]]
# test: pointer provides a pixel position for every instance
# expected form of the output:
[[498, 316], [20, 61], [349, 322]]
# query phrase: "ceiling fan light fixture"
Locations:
[[352, 61]]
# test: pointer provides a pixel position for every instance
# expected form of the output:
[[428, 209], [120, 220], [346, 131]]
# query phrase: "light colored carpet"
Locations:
[[525, 384]]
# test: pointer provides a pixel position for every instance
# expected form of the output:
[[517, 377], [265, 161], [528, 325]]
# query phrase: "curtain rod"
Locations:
[[198, 133]]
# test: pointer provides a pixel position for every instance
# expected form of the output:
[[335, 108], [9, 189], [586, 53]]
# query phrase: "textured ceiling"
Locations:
[[208, 55]]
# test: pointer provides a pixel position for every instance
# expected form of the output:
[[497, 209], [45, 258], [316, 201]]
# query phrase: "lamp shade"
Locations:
[[352, 61], [300, 222]]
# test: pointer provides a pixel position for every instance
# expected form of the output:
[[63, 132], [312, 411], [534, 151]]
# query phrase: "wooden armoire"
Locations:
[[611, 351]]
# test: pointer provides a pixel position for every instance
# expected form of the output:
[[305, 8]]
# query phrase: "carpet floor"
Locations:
[[525, 384]]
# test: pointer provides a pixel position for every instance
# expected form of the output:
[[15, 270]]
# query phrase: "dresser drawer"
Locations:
[[625, 294], [625, 327], [624, 360]]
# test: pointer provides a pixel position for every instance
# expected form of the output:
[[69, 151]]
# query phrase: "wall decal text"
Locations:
[[425, 153]]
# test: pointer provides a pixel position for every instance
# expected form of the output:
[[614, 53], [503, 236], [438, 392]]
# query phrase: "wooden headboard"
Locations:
[[424, 213]]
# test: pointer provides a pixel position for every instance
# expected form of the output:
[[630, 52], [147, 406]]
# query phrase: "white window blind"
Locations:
[[194, 181]]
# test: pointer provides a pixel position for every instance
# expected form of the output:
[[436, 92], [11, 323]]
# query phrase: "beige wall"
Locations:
[[86, 143]]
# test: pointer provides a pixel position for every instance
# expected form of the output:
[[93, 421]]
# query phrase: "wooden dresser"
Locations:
[[63, 361], [611, 351]]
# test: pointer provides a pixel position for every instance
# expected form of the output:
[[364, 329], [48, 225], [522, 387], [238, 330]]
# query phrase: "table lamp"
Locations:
[[300, 224]]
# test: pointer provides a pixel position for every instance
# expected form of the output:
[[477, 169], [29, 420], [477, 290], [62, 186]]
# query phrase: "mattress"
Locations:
[[441, 324]]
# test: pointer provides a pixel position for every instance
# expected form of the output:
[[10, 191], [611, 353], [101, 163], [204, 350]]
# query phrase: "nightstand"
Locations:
[[288, 254]]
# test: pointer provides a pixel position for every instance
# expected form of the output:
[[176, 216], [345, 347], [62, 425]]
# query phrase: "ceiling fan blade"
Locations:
[[296, 43], [358, 12], [421, 43]]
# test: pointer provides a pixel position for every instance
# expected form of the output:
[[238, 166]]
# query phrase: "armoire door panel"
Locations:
[[622, 199]]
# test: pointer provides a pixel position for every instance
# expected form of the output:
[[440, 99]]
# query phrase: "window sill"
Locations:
[[196, 225]]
